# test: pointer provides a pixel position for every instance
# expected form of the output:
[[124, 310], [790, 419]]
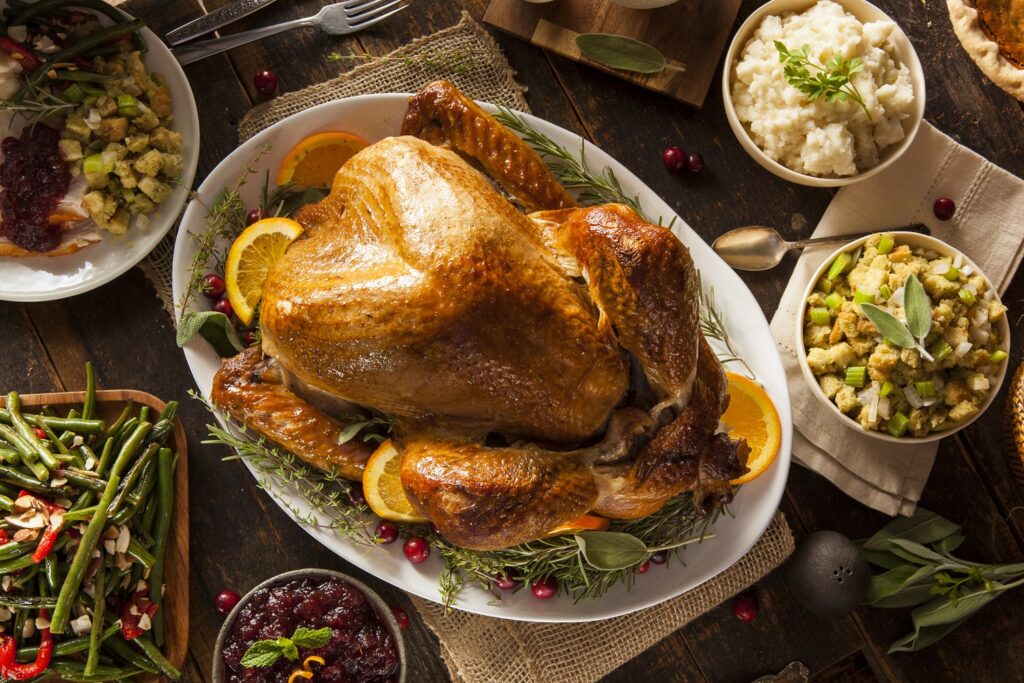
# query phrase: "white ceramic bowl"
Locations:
[[914, 240], [864, 11]]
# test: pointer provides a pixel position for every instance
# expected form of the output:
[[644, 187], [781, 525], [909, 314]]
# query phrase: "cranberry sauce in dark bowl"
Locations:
[[310, 621]]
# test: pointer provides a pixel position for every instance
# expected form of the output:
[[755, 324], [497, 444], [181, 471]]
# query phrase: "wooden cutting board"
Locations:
[[690, 33]]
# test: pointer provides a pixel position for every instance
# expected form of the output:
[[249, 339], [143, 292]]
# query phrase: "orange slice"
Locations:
[[382, 486], [316, 159], [253, 253], [751, 415], [584, 523]]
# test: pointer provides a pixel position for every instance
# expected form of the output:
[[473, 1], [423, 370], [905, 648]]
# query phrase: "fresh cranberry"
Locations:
[[660, 557], [944, 208], [223, 306], [356, 495], [387, 533], [642, 569], [213, 286], [506, 581], [265, 82], [249, 337], [694, 163], [401, 617], [674, 159], [226, 601], [545, 588], [253, 216], [745, 607], [40, 434], [416, 549]]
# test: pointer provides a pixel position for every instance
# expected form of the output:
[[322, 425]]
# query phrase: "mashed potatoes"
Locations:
[[823, 138]]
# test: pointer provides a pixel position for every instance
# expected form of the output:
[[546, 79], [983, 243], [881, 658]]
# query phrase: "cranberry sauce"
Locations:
[[34, 178], [361, 648]]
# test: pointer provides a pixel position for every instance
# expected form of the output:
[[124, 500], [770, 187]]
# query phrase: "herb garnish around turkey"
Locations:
[[917, 308], [831, 81], [921, 572]]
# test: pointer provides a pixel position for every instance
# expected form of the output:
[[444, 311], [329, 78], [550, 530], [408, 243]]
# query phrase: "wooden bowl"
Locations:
[[109, 404]]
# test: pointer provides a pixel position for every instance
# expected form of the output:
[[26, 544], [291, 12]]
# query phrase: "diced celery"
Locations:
[[839, 266], [898, 424], [74, 94], [820, 316], [885, 292], [885, 244], [998, 355], [128, 106], [834, 300], [863, 296], [94, 164], [925, 389], [967, 296], [855, 376], [940, 350], [825, 285], [953, 274], [887, 388]]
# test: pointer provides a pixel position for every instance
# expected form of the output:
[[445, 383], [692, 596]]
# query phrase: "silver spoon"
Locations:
[[757, 247]]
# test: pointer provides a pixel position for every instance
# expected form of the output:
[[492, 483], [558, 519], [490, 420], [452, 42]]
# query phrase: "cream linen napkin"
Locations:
[[988, 226]]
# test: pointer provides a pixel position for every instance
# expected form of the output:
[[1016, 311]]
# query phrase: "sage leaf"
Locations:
[[349, 432], [888, 583], [924, 526], [882, 558], [296, 200], [940, 616], [949, 543], [922, 638], [911, 596], [611, 550], [924, 553], [621, 52], [918, 308], [1004, 571], [889, 326], [214, 327], [906, 586]]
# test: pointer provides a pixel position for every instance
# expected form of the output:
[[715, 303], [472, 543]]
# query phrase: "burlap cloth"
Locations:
[[477, 648]]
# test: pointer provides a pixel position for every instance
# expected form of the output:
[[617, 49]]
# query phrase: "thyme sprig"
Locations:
[[594, 187], [831, 81]]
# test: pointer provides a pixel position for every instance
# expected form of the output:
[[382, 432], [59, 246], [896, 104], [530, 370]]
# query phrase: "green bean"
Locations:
[[14, 548], [157, 657], [51, 570], [149, 514], [165, 424], [8, 490], [68, 647], [83, 555], [99, 605], [5, 503], [20, 617], [79, 75], [39, 422], [28, 455], [116, 427], [133, 476], [89, 405], [106, 456], [47, 6], [44, 453], [137, 551], [122, 649], [80, 514], [70, 670], [85, 482], [27, 602], [126, 429], [61, 423], [130, 446], [165, 496], [18, 478], [144, 412], [10, 456], [135, 498], [18, 563], [22, 579]]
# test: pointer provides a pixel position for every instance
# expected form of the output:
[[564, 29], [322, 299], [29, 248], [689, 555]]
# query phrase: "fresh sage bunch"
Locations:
[[921, 572], [917, 308], [623, 53], [266, 652]]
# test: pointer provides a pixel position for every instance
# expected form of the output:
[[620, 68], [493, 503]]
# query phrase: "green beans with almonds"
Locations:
[[28, 454], [76, 425], [19, 424]]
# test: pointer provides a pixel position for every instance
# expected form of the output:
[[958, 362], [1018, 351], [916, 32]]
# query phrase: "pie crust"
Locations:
[[1000, 65]]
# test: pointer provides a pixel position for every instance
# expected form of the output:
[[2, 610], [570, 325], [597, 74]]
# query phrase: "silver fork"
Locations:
[[338, 19]]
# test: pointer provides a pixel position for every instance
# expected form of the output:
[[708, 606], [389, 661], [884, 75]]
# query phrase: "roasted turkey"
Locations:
[[536, 366]]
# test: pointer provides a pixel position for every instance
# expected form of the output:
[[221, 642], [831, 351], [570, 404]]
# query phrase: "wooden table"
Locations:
[[239, 537]]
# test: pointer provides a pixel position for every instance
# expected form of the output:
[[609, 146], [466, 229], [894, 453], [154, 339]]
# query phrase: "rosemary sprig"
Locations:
[[712, 325], [831, 81], [225, 219], [572, 171]]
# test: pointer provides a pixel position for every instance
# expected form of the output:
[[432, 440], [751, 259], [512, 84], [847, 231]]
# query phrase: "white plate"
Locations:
[[378, 116], [43, 278]]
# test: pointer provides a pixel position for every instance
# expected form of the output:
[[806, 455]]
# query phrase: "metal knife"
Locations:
[[214, 20]]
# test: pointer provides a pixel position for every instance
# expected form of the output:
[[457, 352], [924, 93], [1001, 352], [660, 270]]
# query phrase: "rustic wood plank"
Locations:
[[24, 364]]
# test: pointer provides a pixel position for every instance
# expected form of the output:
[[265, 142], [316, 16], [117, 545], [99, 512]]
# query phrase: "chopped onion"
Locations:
[[977, 382], [897, 297], [988, 295], [971, 287], [958, 260], [18, 33], [941, 268], [979, 336], [930, 401], [93, 119], [962, 348], [913, 398], [967, 271], [979, 316], [885, 408]]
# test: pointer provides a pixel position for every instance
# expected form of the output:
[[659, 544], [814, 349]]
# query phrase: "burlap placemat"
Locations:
[[477, 648]]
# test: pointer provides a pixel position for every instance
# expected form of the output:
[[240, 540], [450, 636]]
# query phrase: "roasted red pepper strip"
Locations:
[[47, 542], [4, 538], [22, 54], [11, 670]]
